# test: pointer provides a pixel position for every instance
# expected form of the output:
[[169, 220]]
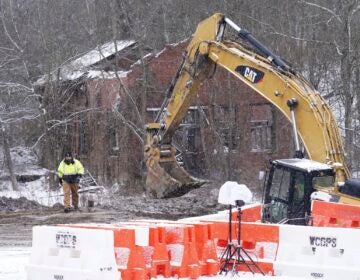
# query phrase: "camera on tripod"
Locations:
[[234, 194], [239, 203]]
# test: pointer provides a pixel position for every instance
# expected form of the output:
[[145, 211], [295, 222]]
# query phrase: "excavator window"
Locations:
[[280, 184], [297, 189], [323, 182], [285, 197], [277, 196]]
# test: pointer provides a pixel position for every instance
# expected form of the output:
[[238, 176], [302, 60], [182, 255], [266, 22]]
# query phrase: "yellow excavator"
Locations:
[[270, 76]]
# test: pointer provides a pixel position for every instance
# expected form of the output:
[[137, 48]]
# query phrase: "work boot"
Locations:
[[76, 208], [66, 210]]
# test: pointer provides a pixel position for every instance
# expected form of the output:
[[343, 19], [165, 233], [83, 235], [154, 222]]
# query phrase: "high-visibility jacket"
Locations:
[[70, 173]]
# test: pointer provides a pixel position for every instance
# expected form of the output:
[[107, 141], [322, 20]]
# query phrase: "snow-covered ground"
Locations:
[[13, 262], [32, 179], [24, 161], [35, 190]]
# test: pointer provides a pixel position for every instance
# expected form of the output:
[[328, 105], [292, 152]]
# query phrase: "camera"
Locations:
[[239, 203]]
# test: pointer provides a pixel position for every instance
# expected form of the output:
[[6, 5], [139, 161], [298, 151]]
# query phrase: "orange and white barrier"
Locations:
[[71, 253], [318, 253], [206, 248], [260, 241], [181, 246], [191, 248], [157, 257], [199, 242], [329, 214], [129, 243]]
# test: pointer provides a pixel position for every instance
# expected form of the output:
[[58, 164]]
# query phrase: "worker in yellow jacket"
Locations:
[[70, 171]]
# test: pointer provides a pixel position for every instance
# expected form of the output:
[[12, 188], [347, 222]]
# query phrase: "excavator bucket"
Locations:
[[166, 178]]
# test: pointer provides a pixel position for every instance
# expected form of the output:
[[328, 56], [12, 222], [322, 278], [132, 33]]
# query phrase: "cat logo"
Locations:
[[251, 74]]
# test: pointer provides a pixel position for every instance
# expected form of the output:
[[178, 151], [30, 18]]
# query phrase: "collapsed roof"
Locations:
[[95, 63]]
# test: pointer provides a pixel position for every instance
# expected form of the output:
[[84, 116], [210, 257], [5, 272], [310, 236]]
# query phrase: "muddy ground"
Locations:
[[18, 216]]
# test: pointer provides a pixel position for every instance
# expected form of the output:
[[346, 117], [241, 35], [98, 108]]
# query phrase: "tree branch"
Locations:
[[324, 9], [8, 34]]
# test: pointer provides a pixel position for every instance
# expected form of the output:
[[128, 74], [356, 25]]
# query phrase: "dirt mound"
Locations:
[[197, 202], [16, 204]]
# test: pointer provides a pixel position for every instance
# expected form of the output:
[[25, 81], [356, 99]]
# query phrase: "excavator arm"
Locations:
[[261, 70]]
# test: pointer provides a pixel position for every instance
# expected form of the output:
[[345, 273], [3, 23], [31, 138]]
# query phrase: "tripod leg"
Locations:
[[228, 251], [240, 259], [233, 267], [252, 263], [239, 249], [227, 254]]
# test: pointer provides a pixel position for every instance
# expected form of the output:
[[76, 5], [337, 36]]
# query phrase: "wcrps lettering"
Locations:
[[323, 241]]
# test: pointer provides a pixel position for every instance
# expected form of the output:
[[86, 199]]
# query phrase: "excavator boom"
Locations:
[[258, 68]]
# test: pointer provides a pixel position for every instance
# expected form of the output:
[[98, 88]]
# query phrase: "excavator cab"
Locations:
[[288, 189]]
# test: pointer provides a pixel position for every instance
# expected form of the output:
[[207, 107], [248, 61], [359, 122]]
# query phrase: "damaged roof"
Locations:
[[85, 66]]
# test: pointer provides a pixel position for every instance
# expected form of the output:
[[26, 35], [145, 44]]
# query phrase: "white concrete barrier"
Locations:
[[64, 253], [318, 253]]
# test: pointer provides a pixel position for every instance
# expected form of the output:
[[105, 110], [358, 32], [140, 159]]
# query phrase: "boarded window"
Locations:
[[261, 139], [261, 128], [83, 139], [225, 122], [191, 140], [98, 98], [191, 118], [113, 134]]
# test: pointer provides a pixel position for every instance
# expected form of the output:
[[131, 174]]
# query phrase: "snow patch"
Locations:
[[176, 253], [35, 190], [98, 74], [174, 45], [13, 262], [25, 163], [230, 192], [98, 54], [138, 62], [305, 164]]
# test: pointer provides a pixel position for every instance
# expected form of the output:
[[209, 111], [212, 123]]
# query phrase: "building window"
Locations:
[[188, 128], [225, 122], [261, 138], [98, 98], [261, 128], [83, 145], [190, 143], [114, 138], [113, 134], [191, 118]]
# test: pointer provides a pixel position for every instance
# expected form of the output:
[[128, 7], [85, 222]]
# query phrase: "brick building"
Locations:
[[230, 133]]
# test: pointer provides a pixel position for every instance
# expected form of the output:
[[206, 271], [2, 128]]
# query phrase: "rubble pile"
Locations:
[[17, 204]]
